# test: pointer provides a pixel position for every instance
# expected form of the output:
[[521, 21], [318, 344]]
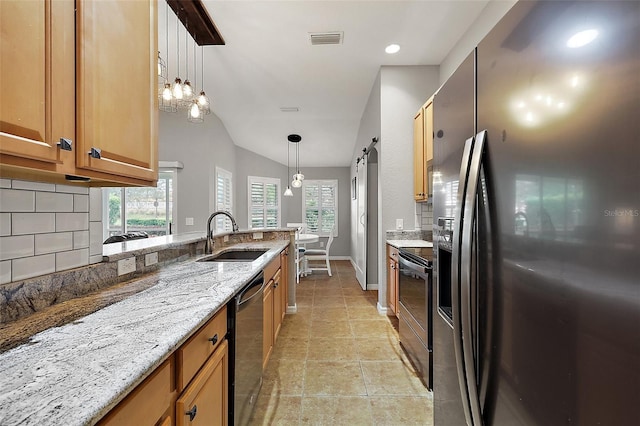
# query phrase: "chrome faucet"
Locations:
[[208, 245]]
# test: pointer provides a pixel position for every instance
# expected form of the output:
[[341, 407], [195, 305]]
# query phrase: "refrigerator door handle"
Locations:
[[456, 245], [465, 275]]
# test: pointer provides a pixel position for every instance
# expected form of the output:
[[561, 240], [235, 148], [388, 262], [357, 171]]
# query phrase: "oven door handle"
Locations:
[[422, 270]]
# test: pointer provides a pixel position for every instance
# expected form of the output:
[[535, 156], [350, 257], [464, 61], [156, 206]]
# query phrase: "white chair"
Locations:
[[300, 263], [320, 254]]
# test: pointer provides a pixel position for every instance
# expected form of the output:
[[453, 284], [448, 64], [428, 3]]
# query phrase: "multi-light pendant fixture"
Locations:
[[182, 95], [297, 177]]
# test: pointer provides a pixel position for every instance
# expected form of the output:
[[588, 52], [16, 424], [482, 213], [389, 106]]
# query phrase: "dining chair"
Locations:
[[320, 254], [300, 263]]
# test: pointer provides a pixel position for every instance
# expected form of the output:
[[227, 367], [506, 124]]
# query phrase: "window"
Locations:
[[149, 209], [320, 206], [264, 202], [224, 199]]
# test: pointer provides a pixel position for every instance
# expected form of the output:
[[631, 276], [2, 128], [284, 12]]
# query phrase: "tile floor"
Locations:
[[338, 362]]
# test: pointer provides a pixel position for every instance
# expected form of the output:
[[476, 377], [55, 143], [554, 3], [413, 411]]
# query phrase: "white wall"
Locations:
[[200, 147], [490, 15]]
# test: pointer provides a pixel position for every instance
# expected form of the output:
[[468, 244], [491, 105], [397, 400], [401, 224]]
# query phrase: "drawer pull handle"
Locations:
[[213, 341], [192, 413]]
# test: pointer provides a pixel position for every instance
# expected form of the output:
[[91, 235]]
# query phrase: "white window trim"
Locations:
[[325, 182], [226, 223], [263, 180]]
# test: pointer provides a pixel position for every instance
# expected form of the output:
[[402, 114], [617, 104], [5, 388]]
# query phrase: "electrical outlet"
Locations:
[[225, 239], [126, 266], [257, 235], [151, 258], [189, 221]]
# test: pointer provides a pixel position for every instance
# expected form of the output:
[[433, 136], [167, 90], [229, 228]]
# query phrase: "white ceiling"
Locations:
[[268, 62]]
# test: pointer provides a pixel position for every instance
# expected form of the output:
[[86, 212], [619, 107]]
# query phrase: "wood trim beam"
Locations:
[[200, 25]]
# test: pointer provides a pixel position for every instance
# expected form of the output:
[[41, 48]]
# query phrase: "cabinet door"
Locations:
[[267, 323], [205, 401], [116, 87], [277, 304], [284, 280], [428, 131], [36, 81], [418, 156], [391, 286]]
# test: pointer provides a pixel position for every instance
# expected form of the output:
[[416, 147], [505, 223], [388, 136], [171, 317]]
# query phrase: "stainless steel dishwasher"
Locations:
[[246, 360]]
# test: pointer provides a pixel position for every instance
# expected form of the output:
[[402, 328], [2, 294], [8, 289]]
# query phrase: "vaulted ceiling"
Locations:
[[269, 63]]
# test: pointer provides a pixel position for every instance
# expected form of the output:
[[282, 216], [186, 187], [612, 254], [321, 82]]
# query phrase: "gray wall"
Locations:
[[200, 147]]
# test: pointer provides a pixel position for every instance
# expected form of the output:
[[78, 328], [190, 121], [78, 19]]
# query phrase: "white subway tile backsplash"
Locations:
[[5, 224], [13, 247], [14, 200], [72, 189], [95, 204], [54, 202], [5, 272], [80, 239], [72, 221], [33, 223], [72, 259], [95, 238], [5, 183], [33, 186], [51, 243], [32, 266], [80, 203]]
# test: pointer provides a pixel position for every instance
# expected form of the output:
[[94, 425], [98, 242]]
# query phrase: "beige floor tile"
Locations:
[[274, 409], [329, 314], [330, 329], [353, 292], [391, 378], [329, 301], [284, 377], [292, 348], [365, 313], [384, 349], [305, 290], [393, 410], [366, 302], [327, 291], [372, 328], [304, 301], [332, 349], [333, 378], [299, 329], [336, 411]]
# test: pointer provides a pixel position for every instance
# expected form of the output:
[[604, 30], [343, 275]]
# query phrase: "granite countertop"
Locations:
[[74, 374], [410, 243]]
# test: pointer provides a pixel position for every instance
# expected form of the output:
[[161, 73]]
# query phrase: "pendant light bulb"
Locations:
[[203, 100], [177, 88], [288, 192], [166, 93], [187, 90], [296, 183], [298, 176], [195, 110]]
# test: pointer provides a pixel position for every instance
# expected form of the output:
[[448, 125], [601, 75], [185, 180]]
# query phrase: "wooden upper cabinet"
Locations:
[[116, 87], [422, 150], [36, 80], [418, 157]]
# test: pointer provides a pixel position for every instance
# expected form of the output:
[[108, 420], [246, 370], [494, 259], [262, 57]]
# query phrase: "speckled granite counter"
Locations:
[[410, 243], [74, 374]]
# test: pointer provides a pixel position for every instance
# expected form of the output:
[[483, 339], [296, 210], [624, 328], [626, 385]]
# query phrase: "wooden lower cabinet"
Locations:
[[267, 323], [205, 400], [392, 279], [274, 304]]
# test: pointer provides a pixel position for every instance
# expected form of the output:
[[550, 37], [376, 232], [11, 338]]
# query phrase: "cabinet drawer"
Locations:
[[147, 403], [271, 269], [195, 351], [204, 402], [392, 252]]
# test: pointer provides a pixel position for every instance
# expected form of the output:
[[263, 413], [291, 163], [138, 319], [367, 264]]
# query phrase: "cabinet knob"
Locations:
[[95, 153], [192, 413], [213, 339], [65, 144], [275, 284]]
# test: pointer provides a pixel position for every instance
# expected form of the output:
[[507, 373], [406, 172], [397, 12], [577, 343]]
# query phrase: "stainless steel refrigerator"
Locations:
[[537, 205]]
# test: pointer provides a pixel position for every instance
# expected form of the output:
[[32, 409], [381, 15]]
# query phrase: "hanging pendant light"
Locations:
[[166, 101], [288, 192], [177, 83], [203, 99], [162, 70], [195, 113], [187, 90], [298, 177]]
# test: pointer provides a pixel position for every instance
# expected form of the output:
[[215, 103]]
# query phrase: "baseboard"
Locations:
[[340, 258], [292, 309], [372, 286], [382, 310]]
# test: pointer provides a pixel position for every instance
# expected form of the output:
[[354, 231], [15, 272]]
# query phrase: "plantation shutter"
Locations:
[[320, 205], [264, 202], [224, 199]]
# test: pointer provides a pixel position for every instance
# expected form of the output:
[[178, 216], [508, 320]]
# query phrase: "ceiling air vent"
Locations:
[[334, 37]]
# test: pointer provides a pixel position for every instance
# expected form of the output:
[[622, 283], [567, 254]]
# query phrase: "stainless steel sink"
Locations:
[[238, 255]]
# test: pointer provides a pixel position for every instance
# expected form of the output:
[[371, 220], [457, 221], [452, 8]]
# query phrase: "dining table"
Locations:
[[301, 240]]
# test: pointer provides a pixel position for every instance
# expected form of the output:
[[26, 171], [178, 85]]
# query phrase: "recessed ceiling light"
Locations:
[[392, 48], [582, 38]]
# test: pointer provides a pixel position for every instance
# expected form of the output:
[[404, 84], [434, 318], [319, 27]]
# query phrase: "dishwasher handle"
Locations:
[[252, 290]]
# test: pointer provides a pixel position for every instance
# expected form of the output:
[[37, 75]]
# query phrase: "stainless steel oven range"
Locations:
[[415, 328]]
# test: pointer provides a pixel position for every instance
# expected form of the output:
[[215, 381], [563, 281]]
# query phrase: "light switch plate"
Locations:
[[126, 266], [189, 221], [257, 235], [151, 258], [399, 224]]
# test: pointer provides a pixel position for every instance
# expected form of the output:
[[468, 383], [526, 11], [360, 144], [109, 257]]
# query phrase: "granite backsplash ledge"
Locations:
[[418, 234]]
